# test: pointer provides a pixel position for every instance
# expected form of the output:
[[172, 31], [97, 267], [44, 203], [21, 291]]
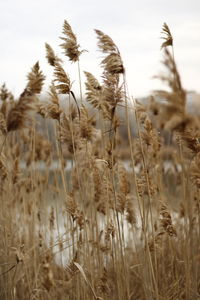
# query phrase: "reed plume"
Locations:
[[70, 45], [51, 108], [112, 63], [18, 116], [174, 109], [83, 214], [50, 55], [167, 36], [64, 83], [4, 93], [94, 91], [35, 80], [105, 97]]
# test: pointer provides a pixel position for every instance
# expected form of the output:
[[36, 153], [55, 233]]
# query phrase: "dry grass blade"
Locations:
[[87, 281], [168, 36]]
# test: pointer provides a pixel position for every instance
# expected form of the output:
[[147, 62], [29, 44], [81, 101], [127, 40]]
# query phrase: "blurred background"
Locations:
[[134, 26]]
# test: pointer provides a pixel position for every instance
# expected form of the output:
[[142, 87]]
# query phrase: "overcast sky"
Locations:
[[135, 27]]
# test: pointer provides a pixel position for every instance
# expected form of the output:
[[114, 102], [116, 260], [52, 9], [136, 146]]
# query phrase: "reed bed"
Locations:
[[97, 225]]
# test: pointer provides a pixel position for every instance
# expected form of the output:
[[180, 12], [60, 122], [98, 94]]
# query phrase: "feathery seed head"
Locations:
[[168, 36], [93, 91], [4, 93], [70, 45], [50, 55], [64, 84], [112, 63], [35, 80], [18, 116]]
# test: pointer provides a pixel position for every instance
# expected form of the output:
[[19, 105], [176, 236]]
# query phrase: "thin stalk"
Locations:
[[149, 197], [80, 84]]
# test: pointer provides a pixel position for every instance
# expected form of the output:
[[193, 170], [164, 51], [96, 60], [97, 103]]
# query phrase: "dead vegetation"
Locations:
[[97, 226]]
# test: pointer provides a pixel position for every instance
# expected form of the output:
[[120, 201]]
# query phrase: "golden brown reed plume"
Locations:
[[166, 220], [64, 83], [51, 108], [191, 140], [35, 80], [149, 135], [113, 94], [70, 45], [6, 99], [50, 55], [111, 222], [64, 86], [96, 95], [87, 124], [66, 129], [71, 50], [18, 115], [61, 77], [112, 63], [112, 89], [167, 36], [105, 97], [124, 197], [174, 109], [177, 96], [93, 91], [5, 94], [72, 208], [78, 130]]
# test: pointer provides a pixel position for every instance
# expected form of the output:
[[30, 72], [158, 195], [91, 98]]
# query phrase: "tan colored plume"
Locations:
[[70, 45], [167, 36]]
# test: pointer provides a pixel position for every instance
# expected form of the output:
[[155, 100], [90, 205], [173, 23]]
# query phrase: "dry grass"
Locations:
[[95, 226]]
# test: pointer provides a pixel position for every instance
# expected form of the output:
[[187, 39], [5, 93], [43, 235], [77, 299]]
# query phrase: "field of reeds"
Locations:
[[91, 211]]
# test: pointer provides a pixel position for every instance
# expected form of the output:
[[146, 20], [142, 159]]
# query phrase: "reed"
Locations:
[[90, 207]]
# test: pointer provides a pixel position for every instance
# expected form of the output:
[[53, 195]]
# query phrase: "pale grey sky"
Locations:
[[134, 25]]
